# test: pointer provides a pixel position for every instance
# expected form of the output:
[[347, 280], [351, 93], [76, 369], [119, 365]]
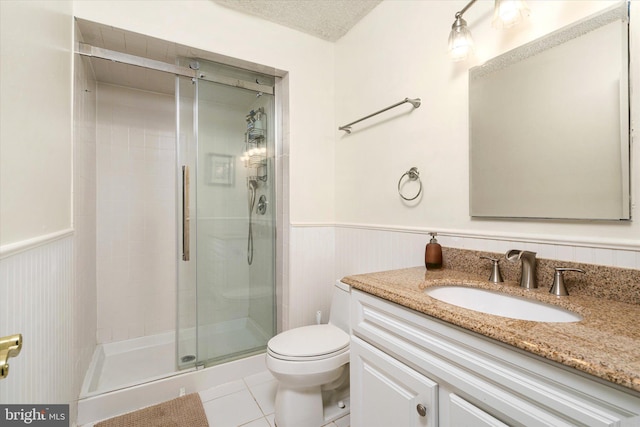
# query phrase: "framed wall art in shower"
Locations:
[[220, 169]]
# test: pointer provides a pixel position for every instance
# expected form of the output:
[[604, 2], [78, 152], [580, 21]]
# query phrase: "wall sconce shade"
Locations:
[[508, 13], [460, 40]]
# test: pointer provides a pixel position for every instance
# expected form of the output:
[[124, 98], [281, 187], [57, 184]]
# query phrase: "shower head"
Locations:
[[252, 183]]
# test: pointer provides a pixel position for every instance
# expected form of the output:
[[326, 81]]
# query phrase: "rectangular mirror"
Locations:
[[549, 125]]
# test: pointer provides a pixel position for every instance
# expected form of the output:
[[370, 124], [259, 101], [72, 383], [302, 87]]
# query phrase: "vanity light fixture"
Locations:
[[506, 13]]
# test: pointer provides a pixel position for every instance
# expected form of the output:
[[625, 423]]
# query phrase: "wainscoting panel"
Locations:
[[361, 249], [311, 275], [321, 254], [36, 301]]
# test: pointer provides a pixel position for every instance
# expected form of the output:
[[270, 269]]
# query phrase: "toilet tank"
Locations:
[[340, 306]]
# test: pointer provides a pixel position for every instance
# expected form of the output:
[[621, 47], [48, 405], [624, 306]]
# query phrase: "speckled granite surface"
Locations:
[[606, 343], [617, 284]]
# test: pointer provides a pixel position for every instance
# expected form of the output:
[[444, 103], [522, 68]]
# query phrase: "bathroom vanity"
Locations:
[[417, 361]]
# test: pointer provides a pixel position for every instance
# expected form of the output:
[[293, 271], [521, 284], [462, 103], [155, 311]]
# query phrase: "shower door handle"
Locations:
[[185, 213]]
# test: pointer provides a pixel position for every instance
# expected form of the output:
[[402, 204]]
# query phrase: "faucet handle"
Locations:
[[495, 277], [558, 288]]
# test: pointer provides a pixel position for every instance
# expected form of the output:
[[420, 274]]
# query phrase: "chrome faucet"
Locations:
[[528, 273], [558, 288]]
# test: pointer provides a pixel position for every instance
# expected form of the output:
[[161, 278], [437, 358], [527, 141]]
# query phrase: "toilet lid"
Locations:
[[309, 341]]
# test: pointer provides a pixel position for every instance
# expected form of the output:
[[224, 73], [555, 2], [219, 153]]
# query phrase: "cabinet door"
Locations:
[[385, 392], [464, 414]]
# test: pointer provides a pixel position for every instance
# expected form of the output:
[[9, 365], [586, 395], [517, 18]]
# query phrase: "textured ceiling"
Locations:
[[327, 19]]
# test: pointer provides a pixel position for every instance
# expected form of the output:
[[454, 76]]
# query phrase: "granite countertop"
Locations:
[[606, 343]]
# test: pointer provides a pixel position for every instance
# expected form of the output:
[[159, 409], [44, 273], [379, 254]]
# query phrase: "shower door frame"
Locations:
[[192, 160], [281, 148]]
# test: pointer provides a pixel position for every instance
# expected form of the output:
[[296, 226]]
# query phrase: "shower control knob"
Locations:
[[262, 205], [422, 410]]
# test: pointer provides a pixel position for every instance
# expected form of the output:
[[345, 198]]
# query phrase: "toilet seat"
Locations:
[[314, 342]]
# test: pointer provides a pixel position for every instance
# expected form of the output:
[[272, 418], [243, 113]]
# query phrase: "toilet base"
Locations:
[[298, 407], [332, 412], [310, 407]]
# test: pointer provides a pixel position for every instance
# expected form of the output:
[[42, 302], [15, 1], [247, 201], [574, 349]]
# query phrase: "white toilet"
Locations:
[[311, 365]]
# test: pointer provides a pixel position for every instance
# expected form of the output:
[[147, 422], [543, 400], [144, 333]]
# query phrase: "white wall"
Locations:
[[309, 61], [36, 247], [35, 125], [400, 50]]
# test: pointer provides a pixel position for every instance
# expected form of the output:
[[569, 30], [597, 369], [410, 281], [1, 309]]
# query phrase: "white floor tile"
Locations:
[[344, 421], [246, 403], [260, 422], [259, 378], [272, 419], [222, 390], [232, 410], [265, 395]]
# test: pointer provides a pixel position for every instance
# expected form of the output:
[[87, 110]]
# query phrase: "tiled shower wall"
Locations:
[[320, 255], [84, 219], [136, 231]]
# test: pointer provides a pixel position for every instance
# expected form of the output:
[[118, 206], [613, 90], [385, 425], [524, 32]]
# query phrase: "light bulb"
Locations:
[[460, 40], [508, 13]]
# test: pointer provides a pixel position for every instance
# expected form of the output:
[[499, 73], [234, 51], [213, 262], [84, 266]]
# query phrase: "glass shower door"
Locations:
[[235, 222], [232, 219], [187, 322]]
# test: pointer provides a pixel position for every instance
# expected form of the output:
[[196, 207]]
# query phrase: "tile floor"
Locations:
[[246, 403]]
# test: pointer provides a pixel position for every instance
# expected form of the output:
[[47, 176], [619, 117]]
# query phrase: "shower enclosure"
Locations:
[[185, 194], [226, 217]]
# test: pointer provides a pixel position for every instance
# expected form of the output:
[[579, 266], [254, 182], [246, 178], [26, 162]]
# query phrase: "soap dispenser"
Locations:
[[433, 254]]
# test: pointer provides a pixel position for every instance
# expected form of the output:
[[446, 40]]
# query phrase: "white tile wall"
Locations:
[[136, 234], [84, 220], [37, 301]]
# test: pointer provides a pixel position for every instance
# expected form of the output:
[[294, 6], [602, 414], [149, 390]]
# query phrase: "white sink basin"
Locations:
[[501, 304]]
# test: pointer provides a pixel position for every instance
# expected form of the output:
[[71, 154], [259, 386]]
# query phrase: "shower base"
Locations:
[[128, 375], [128, 363]]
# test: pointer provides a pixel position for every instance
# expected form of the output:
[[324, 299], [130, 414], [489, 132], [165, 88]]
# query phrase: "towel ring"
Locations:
[[412, 175]]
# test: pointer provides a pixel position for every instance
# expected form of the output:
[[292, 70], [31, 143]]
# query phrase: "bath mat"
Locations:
[[181, 412]]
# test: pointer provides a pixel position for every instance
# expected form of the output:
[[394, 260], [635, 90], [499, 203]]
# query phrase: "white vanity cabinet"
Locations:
[[389, 392], [409, 369]]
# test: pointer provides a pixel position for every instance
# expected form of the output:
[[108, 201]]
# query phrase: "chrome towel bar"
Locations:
[[415, 102]]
